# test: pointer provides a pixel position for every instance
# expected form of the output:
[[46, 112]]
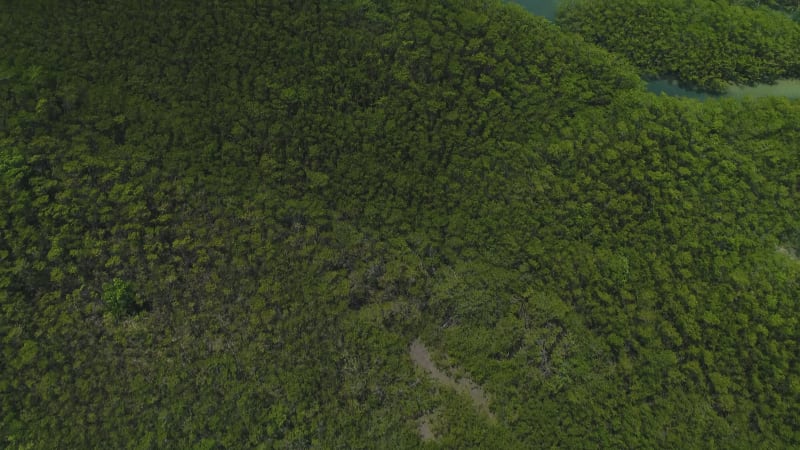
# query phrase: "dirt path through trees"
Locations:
[[422, 358]]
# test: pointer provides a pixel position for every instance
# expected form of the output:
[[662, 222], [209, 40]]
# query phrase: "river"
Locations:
[[782, 88], [544, 8]]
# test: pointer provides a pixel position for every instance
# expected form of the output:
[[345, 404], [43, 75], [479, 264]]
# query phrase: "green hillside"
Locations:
[[222, 225]]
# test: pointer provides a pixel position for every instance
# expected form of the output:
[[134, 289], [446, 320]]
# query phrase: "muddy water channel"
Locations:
[[422, 359]]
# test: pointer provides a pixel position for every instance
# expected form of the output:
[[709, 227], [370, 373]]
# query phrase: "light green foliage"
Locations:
[[118, 297]]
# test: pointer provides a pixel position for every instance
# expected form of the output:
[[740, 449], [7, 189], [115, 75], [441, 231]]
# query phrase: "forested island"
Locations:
[[392, 224], [705, 44]]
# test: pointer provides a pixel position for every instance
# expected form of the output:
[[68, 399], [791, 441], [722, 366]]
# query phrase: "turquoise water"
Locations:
[[670, 87], [544, 8], [783, 88]]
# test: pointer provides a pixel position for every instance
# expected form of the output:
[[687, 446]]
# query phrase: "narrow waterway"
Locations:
[[782, 88], [544, 8], [422, 359]]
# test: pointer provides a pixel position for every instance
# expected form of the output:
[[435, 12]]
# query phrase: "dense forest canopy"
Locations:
[[789, 6], [223, 225], [702, 43]]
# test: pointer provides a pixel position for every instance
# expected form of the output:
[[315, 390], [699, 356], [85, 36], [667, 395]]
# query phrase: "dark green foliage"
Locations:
[[788, 6], [286, 194], [702, 43]]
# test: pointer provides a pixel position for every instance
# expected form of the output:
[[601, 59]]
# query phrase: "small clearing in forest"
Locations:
[[790, 252]]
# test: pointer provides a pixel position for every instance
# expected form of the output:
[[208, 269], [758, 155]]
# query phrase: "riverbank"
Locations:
[[789, 88]]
